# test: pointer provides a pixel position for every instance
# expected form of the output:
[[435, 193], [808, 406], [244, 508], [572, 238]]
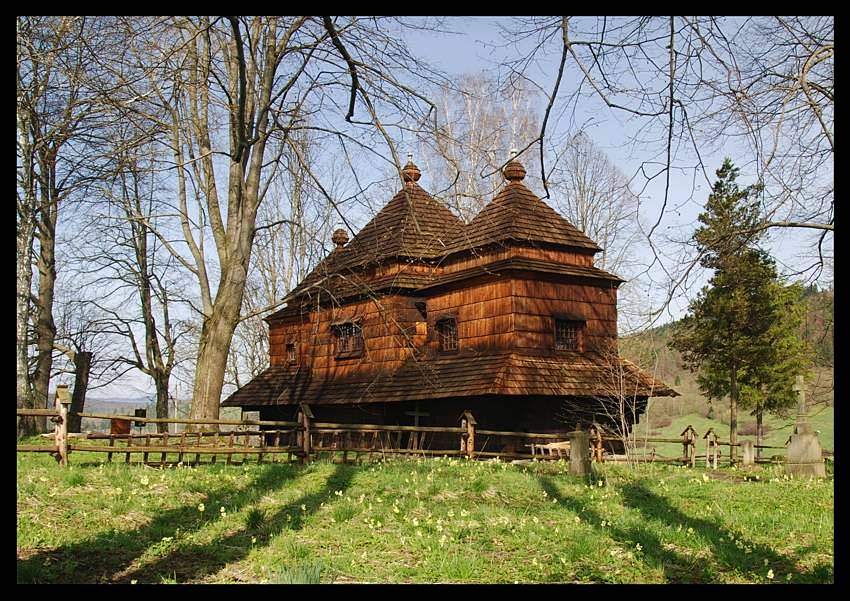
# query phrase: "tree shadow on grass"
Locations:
[[193, 562], [724, 550], [678, 566], [110, 553]]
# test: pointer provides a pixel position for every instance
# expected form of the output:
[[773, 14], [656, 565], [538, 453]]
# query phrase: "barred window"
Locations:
[[447, 334], [349, 339], [291, 356], [568, 334]]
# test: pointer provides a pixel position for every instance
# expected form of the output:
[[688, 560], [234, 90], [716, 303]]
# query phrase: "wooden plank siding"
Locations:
[[392, 327], [509, 313], [502, 252], [537, 302]]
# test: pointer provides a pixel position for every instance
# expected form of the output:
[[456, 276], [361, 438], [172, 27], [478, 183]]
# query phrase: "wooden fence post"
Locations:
[[470, 434], [198, 444], [711, 449], [579, 453], [182, 444], [63, 400], [463, 435], [276, 443], [689, 445], [163, 457], [306, 416], [596, 440], [262, 446], [147, 444]]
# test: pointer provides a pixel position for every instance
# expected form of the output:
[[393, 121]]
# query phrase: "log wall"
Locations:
[[392, 327], [536, 301], [513, 313], [513, 251]]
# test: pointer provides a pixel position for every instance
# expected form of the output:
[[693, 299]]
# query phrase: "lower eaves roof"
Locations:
[[463, 375]]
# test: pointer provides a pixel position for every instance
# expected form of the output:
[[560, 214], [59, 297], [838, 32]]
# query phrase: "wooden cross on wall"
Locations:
[[800, 388], [416, 413]]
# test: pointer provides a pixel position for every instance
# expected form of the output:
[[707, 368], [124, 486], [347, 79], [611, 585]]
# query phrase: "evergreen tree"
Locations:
[[741, 331]]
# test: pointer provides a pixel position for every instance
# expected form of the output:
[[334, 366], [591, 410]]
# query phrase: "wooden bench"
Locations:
[[552, 449]]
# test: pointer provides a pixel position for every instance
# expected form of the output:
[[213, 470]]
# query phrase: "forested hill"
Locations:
[[649, 348]]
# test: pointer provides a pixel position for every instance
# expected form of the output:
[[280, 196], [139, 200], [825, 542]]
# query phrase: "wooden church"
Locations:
[[421, 317]]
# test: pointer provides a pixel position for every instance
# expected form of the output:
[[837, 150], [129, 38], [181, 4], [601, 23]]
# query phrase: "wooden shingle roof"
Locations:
[[413, 225], [516, 213], [438, 377]]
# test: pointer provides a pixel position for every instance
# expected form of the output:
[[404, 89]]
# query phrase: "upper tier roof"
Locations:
[[411, 226], [414, 226], [516, 213]]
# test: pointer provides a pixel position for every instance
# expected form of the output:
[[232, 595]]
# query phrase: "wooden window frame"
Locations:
[[348, 350], [291, 353], [441, 338], [568, 323]]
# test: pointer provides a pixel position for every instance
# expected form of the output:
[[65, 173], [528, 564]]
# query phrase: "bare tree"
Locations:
[[136, 284], [594, 195], [86, 349], [289, 242], [623, 392], [55, 109], [689, 86], [479, 122], [230, 92]]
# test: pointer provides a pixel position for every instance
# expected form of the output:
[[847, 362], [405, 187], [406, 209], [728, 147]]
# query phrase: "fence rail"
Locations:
[[304, 439]]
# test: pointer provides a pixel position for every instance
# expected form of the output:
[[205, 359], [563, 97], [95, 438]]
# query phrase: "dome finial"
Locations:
[[410, 172], [514, 171], [340, 238]]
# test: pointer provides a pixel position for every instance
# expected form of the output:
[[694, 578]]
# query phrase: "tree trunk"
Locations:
[[26, 425], [25, 234], [45, 327], [759, 433], [213, 348], [82, 365], [733, 414], [161, 401]]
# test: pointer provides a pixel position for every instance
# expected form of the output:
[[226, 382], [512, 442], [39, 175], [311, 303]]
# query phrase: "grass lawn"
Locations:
[[402, 521], [779, 429]]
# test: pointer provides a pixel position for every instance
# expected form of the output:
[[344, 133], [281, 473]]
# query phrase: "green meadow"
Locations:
[[418, 521]]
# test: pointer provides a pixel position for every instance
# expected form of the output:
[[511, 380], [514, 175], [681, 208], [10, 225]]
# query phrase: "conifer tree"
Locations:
[[742, 330]]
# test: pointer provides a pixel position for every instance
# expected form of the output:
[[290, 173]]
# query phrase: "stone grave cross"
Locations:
[[803, 426]]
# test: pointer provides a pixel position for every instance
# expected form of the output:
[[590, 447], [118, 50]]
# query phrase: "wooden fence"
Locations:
[[305, 439]]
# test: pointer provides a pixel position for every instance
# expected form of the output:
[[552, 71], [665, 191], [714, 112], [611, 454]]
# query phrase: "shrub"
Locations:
[[255, 519], [662, 421], [749, 429]]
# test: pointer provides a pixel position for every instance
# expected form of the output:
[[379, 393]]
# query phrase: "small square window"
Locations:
[[291, 355], [349, 339], [447, 334], [568, 334]]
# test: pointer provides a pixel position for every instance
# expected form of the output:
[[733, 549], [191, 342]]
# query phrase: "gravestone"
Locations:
[[579, 453], [804, 456], [748, 455]]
